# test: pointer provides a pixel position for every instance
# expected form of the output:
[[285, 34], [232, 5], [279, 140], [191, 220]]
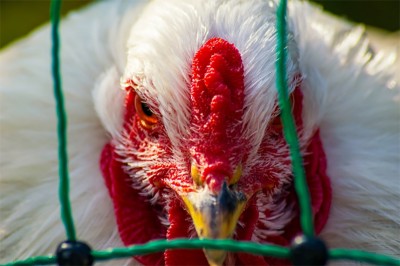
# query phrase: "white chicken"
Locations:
[[129, 72]]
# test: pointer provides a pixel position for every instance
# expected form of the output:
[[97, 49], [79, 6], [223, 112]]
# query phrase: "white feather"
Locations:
[[30, 215], [358, 115]]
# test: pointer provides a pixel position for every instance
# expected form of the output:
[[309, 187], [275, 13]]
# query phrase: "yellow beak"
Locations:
[[215, 216]]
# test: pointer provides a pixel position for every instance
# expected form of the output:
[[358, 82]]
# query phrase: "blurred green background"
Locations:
[[18, 17]]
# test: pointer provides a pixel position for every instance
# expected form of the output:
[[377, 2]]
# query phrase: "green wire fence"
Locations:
[[66, 214], [225, 244]]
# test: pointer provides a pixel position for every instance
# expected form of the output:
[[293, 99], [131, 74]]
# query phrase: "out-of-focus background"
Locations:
[[19, 17]]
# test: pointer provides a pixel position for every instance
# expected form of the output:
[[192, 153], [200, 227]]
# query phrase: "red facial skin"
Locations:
[[217, 146]]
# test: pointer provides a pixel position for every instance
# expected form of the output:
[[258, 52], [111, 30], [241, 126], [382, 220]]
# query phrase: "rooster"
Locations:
[[174, 131]]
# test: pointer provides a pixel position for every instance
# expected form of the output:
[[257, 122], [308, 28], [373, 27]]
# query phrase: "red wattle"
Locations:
[[248, 219], [319, 187], [318, 182], [315, 166], [136, 219]]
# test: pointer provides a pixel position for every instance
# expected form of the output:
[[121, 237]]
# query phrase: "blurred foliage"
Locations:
[[384, 14], [18, 17]]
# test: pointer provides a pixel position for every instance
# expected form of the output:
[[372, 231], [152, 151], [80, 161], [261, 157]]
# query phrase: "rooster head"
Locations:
[[201, 152]]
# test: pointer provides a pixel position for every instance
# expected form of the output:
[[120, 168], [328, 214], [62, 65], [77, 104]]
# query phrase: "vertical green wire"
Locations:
[[289, 128], [66, 214]]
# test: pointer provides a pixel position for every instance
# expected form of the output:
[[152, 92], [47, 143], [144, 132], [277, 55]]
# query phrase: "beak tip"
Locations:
[[215, 257]]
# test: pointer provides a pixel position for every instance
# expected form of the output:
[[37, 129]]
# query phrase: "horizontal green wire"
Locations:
[[229, 245], [161, 245], [363, 256], [289, 128], [40, 260]]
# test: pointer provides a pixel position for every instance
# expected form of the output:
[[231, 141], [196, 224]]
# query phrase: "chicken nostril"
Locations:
[[227, 199]]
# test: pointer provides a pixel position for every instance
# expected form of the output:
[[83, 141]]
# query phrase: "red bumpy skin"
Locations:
[[217, 97]]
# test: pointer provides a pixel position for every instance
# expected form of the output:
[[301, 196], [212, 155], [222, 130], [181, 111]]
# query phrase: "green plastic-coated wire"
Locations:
[[230, 245], [363, 256], [66, 213], [40, 260], [223, 244], [289, 129]]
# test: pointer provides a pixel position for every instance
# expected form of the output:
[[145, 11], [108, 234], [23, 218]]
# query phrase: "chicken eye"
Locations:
[[146, 109], [146, 116]]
